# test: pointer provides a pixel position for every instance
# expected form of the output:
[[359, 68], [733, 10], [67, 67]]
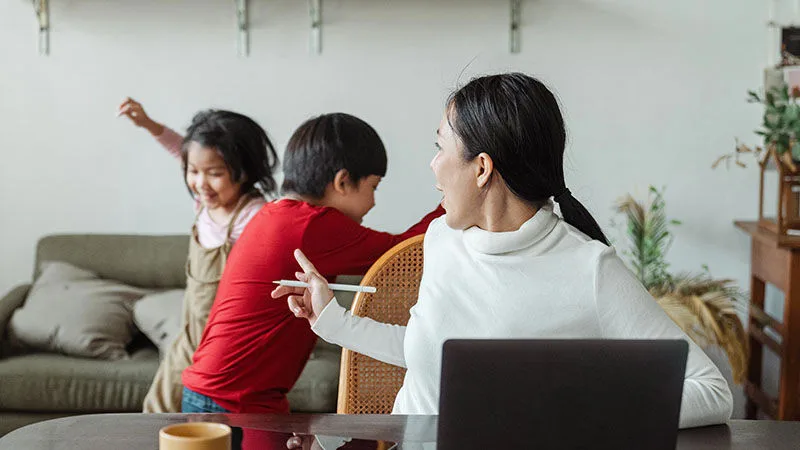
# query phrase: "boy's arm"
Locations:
[[340, 246]]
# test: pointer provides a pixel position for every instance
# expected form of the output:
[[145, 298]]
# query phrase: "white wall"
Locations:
[[653, 92]]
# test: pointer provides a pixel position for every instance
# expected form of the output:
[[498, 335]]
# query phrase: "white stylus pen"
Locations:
[[333, 286]]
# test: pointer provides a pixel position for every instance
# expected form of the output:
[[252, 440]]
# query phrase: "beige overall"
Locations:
[[203, 270]]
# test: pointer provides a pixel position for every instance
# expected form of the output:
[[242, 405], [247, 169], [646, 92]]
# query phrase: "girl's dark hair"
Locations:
[[243, 145], [324, 145], [516, 120]]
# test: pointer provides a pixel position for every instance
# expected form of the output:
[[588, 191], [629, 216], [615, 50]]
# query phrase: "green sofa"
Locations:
[[40, 386]]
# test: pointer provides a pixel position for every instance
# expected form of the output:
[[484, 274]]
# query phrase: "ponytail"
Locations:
[[578, 216], [516, 120]]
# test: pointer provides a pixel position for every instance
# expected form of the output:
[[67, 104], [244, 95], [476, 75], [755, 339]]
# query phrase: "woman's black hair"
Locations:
[[516, 120], [326, 144], [243, 145]]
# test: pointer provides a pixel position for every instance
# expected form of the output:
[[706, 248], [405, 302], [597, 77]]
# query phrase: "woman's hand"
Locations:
[[134, 111], [309, 302]]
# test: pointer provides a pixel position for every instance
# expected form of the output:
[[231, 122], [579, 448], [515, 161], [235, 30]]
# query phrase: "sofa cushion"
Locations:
[[138, 260], [72, 311], [317, 388], [56, 383], [158, 316]]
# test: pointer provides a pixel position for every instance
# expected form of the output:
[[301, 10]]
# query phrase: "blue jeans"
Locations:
[[199, 403]]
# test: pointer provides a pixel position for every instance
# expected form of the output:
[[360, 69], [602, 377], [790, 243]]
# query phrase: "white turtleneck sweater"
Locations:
[[545, 280]]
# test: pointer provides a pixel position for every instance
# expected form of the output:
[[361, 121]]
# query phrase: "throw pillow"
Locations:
[[159, 317], [72, 311]]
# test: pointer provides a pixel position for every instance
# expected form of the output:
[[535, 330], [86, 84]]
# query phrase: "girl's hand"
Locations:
[[134, 111], [309, 302]]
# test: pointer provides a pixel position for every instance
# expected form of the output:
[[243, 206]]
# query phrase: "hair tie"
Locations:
[[562, 195]]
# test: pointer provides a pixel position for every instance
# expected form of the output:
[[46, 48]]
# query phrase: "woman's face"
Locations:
[[458, 180]]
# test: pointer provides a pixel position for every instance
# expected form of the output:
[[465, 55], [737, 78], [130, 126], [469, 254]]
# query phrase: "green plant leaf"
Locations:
[[791, 115]]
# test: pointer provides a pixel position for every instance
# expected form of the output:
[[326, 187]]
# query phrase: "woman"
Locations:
[[502, 264]]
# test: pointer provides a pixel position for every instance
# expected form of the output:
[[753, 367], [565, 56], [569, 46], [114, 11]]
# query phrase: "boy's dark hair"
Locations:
[[243, 145], [324, 145]]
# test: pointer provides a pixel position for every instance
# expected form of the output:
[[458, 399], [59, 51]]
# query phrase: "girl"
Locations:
[[228, 163]]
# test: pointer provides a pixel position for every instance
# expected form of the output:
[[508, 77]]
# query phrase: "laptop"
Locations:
[[561, 394]]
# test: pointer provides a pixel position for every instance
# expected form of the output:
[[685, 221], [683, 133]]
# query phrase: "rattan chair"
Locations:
[[368, 386]]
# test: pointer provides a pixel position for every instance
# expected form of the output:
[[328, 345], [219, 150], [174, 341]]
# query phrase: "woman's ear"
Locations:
[[484, 169], [341, 181]]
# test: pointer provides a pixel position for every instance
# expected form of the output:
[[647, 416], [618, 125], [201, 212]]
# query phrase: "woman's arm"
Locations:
[[334, 323], [627, 311], [363, 335]]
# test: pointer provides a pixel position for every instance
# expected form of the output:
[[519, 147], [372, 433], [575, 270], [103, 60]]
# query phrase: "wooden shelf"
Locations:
[[41, 8], [774, 259], [757, 232]]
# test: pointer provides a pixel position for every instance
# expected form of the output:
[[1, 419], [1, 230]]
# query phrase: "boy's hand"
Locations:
[[134, 111], [309, 302]]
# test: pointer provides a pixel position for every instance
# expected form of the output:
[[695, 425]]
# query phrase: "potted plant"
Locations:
[[779, 129], [780, 153], [704, 307]]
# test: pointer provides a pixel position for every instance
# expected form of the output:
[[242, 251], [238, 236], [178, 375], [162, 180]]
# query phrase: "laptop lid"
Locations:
[[561, 394]]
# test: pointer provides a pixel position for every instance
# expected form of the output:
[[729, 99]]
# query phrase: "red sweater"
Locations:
[[253, 348]]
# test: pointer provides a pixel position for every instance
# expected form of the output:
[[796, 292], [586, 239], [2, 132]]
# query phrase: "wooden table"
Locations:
[[140, 431], [776, 261]]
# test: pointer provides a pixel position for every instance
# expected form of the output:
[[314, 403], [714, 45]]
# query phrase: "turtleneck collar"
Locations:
[[496, 243]]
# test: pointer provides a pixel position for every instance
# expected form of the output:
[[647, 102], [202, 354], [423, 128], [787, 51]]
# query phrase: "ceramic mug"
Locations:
[[195, 436]]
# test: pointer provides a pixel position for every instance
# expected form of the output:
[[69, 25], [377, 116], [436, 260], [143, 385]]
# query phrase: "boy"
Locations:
[[253, 349]]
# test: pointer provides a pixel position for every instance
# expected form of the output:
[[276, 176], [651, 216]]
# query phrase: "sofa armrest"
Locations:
[[9, 303]]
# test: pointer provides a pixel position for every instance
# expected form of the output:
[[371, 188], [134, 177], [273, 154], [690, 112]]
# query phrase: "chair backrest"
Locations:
[[368, 386]]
